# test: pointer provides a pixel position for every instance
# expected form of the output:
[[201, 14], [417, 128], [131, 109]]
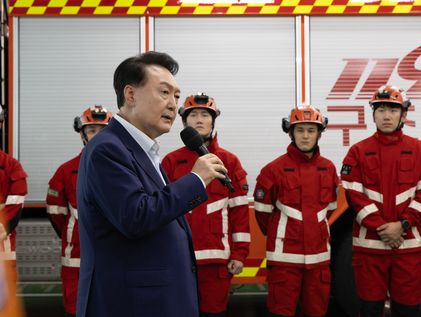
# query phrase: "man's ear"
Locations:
[[404, 115], [129, 95]]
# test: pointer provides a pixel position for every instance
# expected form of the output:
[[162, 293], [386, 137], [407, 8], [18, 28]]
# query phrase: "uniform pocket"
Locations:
[[406, 174], [371, 171], [325, 276], [291, 191], [276, 281], [327, 194]]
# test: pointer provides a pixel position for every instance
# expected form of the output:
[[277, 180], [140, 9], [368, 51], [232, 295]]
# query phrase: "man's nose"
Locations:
[[388, 114], [173, 104]]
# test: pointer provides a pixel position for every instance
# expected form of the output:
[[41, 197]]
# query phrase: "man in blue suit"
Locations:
[[137, 257]]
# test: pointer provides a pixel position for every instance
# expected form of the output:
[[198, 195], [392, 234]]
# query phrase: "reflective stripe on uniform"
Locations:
[[299, 258], [212, 254], [332, 206], [14, 199], [367, 210], [56, 210], [70, 262], [296, 214], [289, 211], [238, 201], [415, 205], [241, 237], [216, 205], [404, 196], [358, 187], [361, 241], [261, 207], [69, 234]]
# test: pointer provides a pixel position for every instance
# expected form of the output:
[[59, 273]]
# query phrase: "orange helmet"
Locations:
[[93, 115], [304, 114], [199, 101], [390, 94]]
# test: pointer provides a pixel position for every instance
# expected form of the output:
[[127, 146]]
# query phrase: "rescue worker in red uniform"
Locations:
[[382, 179], [294, 195], [13, 189], [62, 206], [220, 228]]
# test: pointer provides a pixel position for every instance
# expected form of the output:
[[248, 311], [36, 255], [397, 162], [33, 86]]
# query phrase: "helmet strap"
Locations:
[[84, 136], [401, 121]]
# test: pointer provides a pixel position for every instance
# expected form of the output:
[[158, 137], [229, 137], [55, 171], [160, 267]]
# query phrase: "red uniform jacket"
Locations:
[[382, 177], [220, 228], [293, 198], [62, 210], [13, 189]]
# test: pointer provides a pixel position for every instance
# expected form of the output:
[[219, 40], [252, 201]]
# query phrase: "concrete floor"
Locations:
[[239, 306], [44, 300]]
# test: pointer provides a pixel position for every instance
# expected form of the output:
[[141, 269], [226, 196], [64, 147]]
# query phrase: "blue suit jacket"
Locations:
[[137, 257]]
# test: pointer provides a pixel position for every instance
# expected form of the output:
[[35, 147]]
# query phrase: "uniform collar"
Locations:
[[299, 156], [213, 145], [389, 138]]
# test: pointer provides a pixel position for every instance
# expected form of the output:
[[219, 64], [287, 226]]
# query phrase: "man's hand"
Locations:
[[209, 167], [392, 234], [235, 266]]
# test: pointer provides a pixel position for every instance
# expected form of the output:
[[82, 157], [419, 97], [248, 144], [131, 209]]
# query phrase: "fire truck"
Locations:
[[258, 59]]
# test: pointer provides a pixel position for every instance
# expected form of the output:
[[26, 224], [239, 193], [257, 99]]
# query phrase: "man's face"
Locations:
[[201, 120], [152, 108], [387, 118], [91, 130], [306, 136]]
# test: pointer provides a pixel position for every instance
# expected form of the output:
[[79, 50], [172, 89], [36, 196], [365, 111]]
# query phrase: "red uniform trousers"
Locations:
[[375, 274], [70, 279], [288, 285], [214, 285]]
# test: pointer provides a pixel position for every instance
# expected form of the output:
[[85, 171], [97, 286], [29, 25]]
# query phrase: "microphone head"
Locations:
[[191, 138]]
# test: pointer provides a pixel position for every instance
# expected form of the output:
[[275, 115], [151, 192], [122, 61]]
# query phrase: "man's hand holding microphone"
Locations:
[[208, 166]]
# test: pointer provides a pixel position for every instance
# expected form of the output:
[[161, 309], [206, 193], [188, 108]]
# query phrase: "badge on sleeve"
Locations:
[[259, 194], [52, 192], [346, 169]]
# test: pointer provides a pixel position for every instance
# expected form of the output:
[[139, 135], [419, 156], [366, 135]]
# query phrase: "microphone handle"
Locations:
[[227, 182]]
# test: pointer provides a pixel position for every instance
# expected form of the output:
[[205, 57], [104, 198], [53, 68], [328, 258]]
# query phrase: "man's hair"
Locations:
[[132, 71]]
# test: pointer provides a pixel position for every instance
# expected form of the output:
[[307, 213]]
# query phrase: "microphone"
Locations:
[[194, 141]]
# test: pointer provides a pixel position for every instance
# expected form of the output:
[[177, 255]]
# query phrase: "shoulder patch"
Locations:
[[346, 169], [245, 187], [52, 192], [259, 194]]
